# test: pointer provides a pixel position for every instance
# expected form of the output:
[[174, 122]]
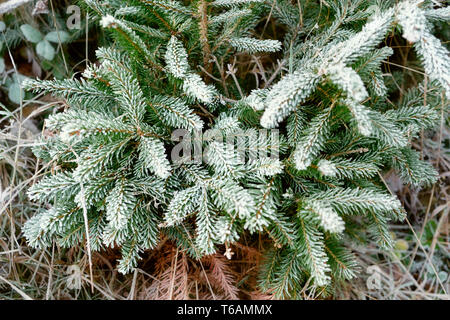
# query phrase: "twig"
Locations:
[[232, 71], [23, 294], [86, 226], [203, 26]]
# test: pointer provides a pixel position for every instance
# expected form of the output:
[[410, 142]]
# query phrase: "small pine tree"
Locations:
[[337, 130]]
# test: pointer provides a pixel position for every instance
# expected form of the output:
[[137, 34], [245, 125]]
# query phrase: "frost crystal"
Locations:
[[256, 99], [108, 21], [329, 219], [194, 86], [361, 116], [176, 58], [348, 80]]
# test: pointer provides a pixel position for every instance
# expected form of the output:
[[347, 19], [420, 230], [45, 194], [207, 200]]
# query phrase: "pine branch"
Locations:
[[312, 141]]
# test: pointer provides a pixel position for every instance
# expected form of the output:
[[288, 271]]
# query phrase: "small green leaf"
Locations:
[[58, 36], [443, 276], [46, 65], [2, 65], [31, 34], [15, 93], [2, 26], [45, 50], [18, 78]]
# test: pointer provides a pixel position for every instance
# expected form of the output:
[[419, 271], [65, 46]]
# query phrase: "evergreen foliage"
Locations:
[[338, 130]]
